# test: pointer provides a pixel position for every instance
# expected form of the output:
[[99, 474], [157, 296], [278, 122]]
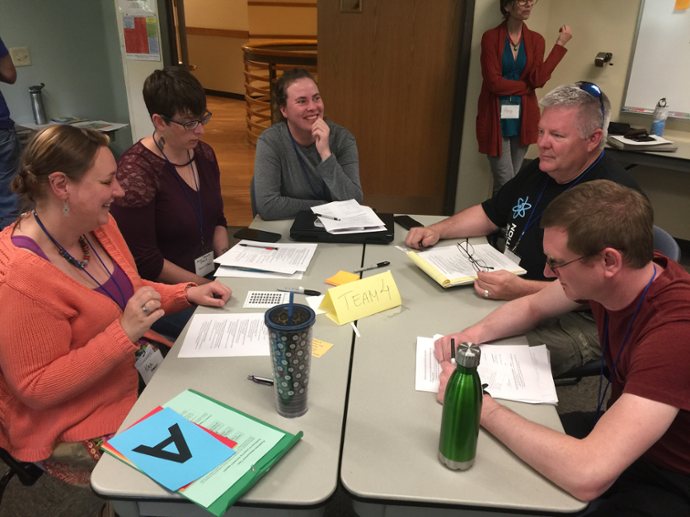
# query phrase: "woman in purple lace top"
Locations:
[[172, 212]]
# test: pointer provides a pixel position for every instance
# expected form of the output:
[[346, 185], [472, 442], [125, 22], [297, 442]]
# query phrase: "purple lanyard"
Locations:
[[600, 396], [124, 302]]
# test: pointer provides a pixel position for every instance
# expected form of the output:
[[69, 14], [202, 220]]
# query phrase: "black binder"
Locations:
[[305, 229]]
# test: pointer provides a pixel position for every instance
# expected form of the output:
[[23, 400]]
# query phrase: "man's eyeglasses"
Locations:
[[525, 2], [554, 265], [468, 250], [192, 124], [595, 92]]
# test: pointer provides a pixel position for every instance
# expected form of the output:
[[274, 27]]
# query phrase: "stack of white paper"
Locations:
[[340, 217], [513, 372], [266, 260]]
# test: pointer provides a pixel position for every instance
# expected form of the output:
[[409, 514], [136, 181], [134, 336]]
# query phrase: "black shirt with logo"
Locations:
[[512, 206]]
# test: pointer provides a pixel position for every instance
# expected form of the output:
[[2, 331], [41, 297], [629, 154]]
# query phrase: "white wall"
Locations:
[[74, 51], [598, 26], [474, 175]]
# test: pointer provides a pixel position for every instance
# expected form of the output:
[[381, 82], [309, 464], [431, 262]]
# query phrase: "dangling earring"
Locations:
[[65, 209]]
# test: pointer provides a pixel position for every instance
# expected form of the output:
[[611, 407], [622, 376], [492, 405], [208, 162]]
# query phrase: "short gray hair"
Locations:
[[589, 108]]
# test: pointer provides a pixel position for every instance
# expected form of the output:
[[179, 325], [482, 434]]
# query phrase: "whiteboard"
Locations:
[[660, 64]]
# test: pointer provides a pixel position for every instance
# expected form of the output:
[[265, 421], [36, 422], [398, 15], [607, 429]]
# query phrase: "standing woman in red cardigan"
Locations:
[[513, 67]]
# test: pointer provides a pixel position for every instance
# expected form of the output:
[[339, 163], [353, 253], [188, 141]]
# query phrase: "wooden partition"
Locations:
[[264, 63], [388, 74]]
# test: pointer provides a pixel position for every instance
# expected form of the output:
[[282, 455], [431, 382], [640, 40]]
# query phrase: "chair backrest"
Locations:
[[666, 244], [252, 195]]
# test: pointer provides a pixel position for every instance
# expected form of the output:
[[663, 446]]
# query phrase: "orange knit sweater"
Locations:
[[67, 367]]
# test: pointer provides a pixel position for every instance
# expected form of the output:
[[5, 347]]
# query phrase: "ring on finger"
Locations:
[[145, 309], [486, 293]]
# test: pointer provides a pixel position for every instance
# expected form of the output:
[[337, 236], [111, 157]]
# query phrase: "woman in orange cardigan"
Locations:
[[513, 67], [75, 313]]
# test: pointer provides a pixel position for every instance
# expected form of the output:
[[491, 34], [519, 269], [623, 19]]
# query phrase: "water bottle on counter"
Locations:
[[37, 104], [660, 116], [462, 407]]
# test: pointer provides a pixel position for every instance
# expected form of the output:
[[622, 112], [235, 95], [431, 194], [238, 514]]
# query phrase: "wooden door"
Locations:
[[388, 75]]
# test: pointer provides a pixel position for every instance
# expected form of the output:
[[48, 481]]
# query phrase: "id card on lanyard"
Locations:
[[203, 264]]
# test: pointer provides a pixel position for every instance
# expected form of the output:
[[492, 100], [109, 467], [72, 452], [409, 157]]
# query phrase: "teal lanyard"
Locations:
[[529, 223], [304, 169]]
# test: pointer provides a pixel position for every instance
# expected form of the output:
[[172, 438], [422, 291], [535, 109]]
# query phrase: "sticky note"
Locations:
[[362, 298], [681, 4], [318, 347], [342, 277]]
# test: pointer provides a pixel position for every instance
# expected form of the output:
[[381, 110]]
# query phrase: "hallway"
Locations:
[[226, 134]]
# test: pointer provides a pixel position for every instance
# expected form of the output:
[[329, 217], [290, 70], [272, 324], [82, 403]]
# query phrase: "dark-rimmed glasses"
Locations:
[[595, 92], [468, 250], [554, 265], [192, 124], [525, 2]]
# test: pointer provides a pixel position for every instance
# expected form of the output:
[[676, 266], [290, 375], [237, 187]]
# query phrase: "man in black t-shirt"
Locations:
[[571, 141]]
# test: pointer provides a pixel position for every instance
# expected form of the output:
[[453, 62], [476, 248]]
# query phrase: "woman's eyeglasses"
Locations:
[[468, 250], [192, 124]]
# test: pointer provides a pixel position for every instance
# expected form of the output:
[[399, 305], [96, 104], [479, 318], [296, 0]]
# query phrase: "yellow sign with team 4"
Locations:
[[350, 302]]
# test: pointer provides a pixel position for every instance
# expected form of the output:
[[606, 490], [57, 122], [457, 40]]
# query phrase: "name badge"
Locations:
[[204, 264], [148, 362], [510, 111], [512, 256]]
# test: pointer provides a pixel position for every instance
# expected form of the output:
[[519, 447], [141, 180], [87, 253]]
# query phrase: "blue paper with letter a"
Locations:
[[170, 449]]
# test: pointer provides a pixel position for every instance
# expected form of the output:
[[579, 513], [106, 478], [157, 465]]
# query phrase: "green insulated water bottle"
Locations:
[[462, 407]]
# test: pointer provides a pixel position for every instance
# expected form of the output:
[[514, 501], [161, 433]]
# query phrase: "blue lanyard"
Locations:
[[548, 179], [122, 307], [200, 214], [304, 168], [600, 396]]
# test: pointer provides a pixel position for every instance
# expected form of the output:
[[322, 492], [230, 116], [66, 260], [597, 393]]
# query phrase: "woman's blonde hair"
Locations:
[[62, 148]]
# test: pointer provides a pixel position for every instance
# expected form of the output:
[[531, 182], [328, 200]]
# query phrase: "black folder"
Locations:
[[305, 229]]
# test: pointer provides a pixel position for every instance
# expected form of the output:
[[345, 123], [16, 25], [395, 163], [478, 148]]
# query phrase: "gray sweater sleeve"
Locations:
[[284, 184]]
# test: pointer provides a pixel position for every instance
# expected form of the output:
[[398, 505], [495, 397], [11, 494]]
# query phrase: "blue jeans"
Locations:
[[9, 168]]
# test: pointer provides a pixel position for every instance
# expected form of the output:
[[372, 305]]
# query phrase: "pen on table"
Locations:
[[299, 290], [260, 380], [374, 266], [260, 247], [327, 216]]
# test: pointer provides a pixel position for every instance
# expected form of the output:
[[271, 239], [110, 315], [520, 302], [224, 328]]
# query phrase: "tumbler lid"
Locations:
[[467, 355], [36, 88]]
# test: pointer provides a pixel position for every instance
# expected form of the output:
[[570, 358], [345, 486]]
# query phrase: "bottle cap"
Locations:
[[467, 355]]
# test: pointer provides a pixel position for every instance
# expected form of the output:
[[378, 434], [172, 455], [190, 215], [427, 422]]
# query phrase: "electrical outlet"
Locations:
[[20, 56]]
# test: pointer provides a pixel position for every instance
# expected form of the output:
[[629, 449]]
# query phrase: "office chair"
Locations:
[[667, 245], [27, 473], [253, 197]]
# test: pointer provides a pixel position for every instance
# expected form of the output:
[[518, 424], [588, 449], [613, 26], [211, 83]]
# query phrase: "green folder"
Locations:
[[237, 490], [220, 505]]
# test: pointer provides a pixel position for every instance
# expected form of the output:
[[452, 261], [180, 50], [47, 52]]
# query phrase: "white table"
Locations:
[[307, 476], [389, 459]]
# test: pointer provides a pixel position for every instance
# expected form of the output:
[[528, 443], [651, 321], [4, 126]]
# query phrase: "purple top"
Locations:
[[155, 215], [110, 288]]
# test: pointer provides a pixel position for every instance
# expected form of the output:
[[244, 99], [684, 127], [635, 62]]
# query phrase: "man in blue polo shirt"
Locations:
[[9, 146]]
